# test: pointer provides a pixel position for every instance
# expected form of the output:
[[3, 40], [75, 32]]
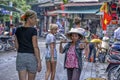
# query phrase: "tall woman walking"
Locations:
[[28, 54]]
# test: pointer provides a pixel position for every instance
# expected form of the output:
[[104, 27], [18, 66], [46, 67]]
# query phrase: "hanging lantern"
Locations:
[[62, 8]]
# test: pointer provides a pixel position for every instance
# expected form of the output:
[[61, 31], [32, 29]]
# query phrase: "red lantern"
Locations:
[[11, 17], [62, 8]]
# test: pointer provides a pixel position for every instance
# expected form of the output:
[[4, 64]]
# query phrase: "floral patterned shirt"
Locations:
[[72, 60]]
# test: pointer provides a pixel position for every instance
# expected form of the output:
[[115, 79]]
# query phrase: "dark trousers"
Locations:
[[92, 50], [73, 73]]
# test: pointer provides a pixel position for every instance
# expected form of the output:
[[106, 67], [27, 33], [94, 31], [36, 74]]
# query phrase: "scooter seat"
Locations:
[[115, 57], [113, 61], [116, 46]]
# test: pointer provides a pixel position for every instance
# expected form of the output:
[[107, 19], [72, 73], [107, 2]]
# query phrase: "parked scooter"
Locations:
[[6, 43], [113, 68], [104, 49]]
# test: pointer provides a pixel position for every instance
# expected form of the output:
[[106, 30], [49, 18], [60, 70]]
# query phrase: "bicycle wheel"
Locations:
[[118, 74], [111, 74]]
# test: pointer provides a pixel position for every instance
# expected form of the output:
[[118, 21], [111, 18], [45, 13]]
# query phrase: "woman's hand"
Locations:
[[82, 45], [63, 41], [39, 68]]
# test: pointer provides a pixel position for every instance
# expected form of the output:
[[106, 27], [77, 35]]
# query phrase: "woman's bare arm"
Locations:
[[16, 43], [82, 45], [61, 47], [36, 51], [36, 48]]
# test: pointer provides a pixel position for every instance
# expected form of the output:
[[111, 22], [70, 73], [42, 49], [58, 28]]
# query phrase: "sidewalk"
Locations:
[[94, 70]]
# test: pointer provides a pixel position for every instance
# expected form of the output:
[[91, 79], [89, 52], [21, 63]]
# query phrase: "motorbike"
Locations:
[[103, 49], [113, 68], [6, 43]]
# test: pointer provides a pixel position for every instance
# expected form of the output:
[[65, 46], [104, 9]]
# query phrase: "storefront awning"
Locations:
[[99, 13], [90, 11], [10, 8], [46, 5]]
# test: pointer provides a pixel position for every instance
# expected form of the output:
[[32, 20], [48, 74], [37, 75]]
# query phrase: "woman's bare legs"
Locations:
[[48, 67], [53, 69], [31, 76], [22, 75]]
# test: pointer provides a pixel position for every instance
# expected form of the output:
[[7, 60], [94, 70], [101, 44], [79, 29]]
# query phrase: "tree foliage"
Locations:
[[20, 4]]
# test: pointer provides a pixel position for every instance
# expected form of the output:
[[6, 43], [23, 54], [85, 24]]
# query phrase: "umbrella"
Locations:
[[9, 8], [96, 41]]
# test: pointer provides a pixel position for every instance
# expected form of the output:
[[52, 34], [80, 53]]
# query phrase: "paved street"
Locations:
[[8, 70]]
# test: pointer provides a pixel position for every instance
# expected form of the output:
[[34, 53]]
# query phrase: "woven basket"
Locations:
[[95, 79]]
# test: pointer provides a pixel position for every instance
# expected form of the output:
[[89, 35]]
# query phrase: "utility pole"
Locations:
[[11, 4]]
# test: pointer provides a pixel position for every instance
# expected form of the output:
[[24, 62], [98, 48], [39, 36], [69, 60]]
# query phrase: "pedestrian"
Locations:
[[117, 34], [12, 32], [28, 54], [77, 22], [86, 33], [116, 44], [73, 54], [87, 40], [51, 52], [92, 52], [12, 29], [1, 29], [93, 45]]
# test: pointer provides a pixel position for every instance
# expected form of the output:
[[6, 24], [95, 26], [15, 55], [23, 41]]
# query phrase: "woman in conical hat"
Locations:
[[79, 31], [73, 54]]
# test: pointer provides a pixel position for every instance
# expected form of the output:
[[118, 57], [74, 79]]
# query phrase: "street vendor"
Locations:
[[93, 45], [73, 53]]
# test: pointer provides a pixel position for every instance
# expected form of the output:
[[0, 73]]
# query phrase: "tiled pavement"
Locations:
[[89, 70]]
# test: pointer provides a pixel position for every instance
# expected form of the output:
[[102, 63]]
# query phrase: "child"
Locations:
[[73, 54]]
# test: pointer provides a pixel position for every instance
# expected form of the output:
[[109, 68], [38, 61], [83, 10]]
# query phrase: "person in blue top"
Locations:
[[51, 52], [77, 22], [117, 33], [116, 44], [12, 29]]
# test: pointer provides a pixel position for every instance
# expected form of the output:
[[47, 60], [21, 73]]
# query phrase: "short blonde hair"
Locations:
[[53, 26]]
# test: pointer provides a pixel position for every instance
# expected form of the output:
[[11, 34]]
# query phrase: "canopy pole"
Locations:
[[11, 4]]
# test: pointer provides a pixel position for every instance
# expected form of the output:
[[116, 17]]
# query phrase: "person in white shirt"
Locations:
[[117, 33]]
